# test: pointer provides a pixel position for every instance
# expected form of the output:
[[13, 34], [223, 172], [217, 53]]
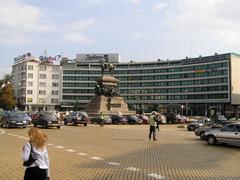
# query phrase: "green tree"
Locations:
[[7, 99]]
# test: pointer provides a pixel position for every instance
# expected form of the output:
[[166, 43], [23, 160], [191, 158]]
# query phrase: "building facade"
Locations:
[[37, 84], [190, 85]]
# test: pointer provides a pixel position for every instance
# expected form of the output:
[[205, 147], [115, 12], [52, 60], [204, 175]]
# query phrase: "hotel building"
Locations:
[[37, 83], [193, 84]]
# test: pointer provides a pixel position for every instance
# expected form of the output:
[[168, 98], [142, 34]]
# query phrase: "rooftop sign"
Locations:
[[96, 58]]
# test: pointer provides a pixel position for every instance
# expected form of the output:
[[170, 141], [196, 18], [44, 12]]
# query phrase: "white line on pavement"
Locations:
[[114, 163], [71, 150], [82, 154], [50, 144], [97, 158], [2, 131], [132, 169], [156, 176], [60, 147]]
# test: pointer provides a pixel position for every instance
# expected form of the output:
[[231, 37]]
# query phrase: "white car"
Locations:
[[229, 134]]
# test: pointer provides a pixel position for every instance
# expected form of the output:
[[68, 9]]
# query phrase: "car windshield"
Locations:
[[221, 118]]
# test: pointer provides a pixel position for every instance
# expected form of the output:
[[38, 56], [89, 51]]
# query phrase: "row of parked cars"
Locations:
[[217, 130], [80, 117], [22, 119]]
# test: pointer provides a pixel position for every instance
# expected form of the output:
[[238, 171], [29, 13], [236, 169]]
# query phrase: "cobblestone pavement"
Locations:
[[123, 152]]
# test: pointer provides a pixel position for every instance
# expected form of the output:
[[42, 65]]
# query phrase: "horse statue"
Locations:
[[105, 65]]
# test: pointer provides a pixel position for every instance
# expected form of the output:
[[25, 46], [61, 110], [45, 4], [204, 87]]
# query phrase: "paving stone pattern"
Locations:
[[123, 152]]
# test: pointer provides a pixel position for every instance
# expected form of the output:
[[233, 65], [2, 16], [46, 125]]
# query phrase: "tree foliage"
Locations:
[[7, 99]]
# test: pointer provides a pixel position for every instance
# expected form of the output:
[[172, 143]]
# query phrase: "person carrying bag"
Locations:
[[35, 156]]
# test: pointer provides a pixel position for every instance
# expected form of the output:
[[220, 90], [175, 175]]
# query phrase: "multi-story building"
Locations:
[[37, 83], [193, 84]]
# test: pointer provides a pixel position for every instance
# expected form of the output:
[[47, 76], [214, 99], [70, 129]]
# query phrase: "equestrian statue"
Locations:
[[105, 65]]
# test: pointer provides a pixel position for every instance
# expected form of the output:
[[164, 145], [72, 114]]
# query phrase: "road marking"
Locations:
[[21, 137], [82, 154], [114, 163], [132, 169], [97, 158], [71, 150], [156, 176], [50, 144], [2, 131], [60, 147]]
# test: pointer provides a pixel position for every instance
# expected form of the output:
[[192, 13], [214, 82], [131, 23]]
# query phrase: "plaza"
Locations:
[[122, 152]]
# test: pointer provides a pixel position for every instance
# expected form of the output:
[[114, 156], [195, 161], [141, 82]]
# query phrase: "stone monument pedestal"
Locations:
[[107, 99]]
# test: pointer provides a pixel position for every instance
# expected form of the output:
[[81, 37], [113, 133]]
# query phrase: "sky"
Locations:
[[138, 30]]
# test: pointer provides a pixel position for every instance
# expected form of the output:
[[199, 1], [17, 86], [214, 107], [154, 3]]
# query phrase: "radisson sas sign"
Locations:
[[95, 58]]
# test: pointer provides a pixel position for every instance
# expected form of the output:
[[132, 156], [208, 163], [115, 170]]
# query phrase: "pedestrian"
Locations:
[[36, 149], [153, 125], [157, 118], [101, 118]]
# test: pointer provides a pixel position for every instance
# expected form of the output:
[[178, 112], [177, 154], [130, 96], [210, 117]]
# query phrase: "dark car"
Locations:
[[198, 123], [13, 119], [119, 119], [107, 120], [132, 119], [77, 117], [201, 130], [218, 118], [229, 134], [46, 120]]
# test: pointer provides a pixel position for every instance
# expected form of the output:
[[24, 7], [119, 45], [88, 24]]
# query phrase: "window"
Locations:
[[29, 91], [29, 100], [42, 92], [55, 68], [54, 92], [42, 84], [229, 128], [42, 76], [55, 76], [41, 100], [30, 84], [54, 84], [42, 68], [30, 67], [30, 75], [54, 101]]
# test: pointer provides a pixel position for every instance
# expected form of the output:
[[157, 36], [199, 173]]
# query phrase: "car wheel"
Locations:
[[85, 124], [58, 127], [211, 140], [202, 135], [45, 125], [65, 121]]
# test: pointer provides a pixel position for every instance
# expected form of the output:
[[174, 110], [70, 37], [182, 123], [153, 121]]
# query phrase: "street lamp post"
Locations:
[[182, 106]]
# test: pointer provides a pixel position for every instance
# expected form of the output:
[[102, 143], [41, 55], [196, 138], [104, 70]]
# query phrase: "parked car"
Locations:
[[229, 134], [201, 130], [145, 119], [182, 119], [76, 117], [46, 120], [119, 119], [13, 119], [198, 123], [96, 120], [218, 118], [132, 119], [25, 116]]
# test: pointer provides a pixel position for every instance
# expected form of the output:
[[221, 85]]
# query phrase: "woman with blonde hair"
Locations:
[[39, 169]]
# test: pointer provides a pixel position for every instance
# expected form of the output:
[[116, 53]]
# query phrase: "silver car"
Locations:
[[229, 134]]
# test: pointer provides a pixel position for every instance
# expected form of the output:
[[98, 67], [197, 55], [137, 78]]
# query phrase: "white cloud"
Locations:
[[80, 25], [19, 19], [136, 35], [135, 1], [159, 6], [76, 37], [214, 19], [74, 31]]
